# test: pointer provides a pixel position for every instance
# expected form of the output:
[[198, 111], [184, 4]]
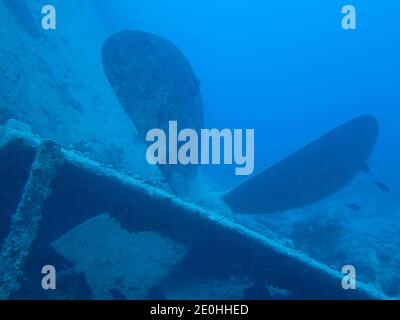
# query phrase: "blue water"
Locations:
[[284, 68]]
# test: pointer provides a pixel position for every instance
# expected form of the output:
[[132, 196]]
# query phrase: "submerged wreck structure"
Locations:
[[155, 84], [48, 191], [124, 234]]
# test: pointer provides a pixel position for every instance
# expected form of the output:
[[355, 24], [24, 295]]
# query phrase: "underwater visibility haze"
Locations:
[[200, 149]]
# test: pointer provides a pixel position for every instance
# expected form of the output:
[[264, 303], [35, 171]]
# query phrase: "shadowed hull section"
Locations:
[[316, 171]]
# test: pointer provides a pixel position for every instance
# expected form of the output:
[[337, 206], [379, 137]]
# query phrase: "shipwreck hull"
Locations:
[[68, 189]]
